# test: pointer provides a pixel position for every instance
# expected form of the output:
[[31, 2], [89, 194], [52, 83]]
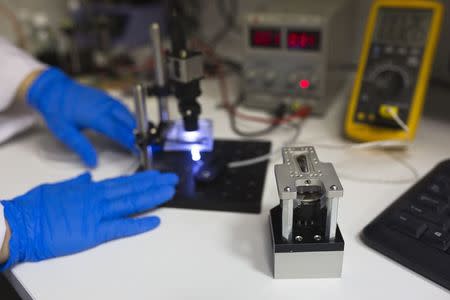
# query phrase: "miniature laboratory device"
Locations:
[[306, 239]]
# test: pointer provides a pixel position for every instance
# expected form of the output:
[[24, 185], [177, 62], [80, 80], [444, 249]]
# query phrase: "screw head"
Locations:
[[299, 238], [333, 187], [317, 237], [307, 182], [183, 54], [287, 189], [188, 112]]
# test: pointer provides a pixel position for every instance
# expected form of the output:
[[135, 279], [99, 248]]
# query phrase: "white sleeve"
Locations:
[[2, 226], [15, 65]]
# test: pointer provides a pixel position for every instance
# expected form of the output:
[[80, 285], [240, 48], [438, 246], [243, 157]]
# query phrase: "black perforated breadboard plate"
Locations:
[[236, 190]]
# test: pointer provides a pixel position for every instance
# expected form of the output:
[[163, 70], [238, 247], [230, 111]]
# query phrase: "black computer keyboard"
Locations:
[[415, 229]]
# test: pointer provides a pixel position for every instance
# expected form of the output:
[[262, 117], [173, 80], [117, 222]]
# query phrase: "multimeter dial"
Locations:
[[389, 81]]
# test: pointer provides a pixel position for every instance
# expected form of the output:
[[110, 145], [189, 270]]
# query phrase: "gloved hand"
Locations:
[[69, 107], [68, 217]]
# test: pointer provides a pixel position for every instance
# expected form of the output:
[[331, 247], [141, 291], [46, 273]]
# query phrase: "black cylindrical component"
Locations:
[[188, 106], [176, 31]]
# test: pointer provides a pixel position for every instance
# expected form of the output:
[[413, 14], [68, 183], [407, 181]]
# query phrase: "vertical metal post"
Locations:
[[140, 97], [332, 214], [287, 218], [155, 37]]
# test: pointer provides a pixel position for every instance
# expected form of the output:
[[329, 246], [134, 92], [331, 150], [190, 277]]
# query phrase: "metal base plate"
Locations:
[[236, 190], [318, 264]]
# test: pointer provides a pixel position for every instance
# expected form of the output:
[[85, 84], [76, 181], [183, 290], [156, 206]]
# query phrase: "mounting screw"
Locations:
[[299, 238], [307, 182], [183, 54], [317, 237], [188, 112], [287, 189], [333, 188]]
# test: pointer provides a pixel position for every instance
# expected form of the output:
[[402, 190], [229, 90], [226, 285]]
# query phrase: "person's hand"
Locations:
[[69, 107], [60, 219]]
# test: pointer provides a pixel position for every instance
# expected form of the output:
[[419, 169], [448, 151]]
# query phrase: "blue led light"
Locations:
[[177, 139], [195, 153], [190, 136]]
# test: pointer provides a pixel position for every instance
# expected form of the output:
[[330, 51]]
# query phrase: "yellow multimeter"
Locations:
[[394, 69]]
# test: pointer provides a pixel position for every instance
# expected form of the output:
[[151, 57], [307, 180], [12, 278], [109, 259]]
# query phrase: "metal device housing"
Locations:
[[272, 75], [186, 69], [307, 242]]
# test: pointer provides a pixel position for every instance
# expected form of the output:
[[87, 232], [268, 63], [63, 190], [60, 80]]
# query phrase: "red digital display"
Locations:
[[303, 40], [265, 38]]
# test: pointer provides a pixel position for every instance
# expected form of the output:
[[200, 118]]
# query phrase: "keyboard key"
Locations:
[[444, 183], [446, 225], [442, 221], [424, 213], [408, 224], [443, 179], [428, 201], [436, 188], [437, 238], [435, 203]]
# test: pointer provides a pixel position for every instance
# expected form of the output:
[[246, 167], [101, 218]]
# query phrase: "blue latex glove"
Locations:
[[69, 107], [64, 218]]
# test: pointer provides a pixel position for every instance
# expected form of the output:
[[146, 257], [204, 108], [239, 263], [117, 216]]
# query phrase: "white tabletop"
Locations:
[[218, 255]]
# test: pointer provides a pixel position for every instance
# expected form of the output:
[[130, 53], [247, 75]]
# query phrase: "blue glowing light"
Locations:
[[195, 153], [177, 139], [190, 136]]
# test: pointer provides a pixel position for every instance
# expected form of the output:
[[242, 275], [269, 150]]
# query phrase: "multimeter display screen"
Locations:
[[303, 40], [406, 27], [265, 38]]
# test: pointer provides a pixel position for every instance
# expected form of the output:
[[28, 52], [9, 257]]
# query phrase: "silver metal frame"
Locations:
[[140, 98], [291, 177]]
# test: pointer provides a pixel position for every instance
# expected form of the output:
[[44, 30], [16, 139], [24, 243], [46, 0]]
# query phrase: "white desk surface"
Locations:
[[216, 255]]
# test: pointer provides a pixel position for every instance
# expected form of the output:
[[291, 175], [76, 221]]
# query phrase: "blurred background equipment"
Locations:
[[103, 43], [394, 69], [100, 35], [441, 67], [296, 53]]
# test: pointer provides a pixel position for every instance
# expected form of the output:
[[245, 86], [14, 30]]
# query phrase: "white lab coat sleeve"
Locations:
[[15, 66], [2, 225]]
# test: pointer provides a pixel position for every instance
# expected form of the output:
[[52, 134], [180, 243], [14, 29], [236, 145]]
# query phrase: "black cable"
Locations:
[[258, 133], [279, 113]]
